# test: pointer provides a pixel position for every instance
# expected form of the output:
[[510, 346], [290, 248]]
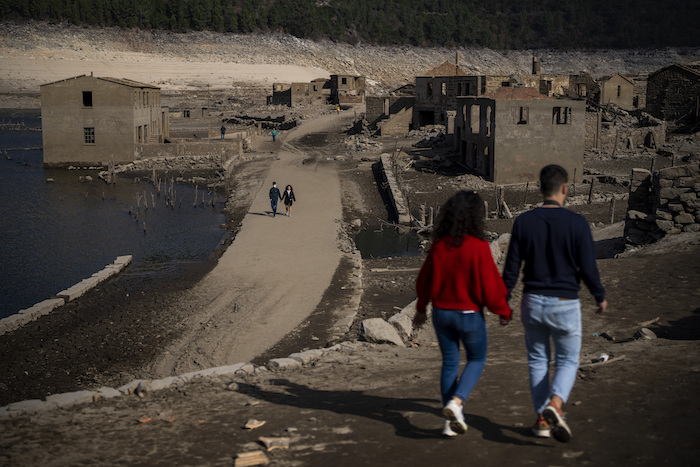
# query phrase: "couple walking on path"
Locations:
[[287, 197], [460, 277]]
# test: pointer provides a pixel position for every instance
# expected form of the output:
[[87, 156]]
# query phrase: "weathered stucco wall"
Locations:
[[521, 150], [116, 113]]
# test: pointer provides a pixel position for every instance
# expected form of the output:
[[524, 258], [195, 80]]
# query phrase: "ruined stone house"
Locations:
[[90, 120], [673, 93], [618, 90], [508, 135], [347, 89], [391, 114], [583, 86], [437, 91], [316, 92]]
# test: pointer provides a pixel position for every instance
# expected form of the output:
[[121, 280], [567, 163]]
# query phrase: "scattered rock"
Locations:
[[378, 331], [253, 424], [245, 459], [275, 443], [646, 333]]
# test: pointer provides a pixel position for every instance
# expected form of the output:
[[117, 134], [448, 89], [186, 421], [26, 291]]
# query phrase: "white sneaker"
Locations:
[[453, 413], [447, 431]]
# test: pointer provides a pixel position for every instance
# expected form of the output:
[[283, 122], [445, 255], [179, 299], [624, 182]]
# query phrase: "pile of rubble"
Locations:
[[361, 143]]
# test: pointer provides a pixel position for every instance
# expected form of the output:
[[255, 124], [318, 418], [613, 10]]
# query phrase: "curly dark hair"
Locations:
[[462, 214]]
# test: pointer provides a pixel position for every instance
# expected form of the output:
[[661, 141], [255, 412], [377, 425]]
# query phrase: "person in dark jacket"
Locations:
[[288, 198], [557, 248], [460, 278], [223, 131], [274, 198]]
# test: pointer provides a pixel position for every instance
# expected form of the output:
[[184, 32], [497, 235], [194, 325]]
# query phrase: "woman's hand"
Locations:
[[419, 320]]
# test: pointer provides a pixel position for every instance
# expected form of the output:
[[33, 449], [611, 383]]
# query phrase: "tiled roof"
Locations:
[[122, 81], [446, 69]]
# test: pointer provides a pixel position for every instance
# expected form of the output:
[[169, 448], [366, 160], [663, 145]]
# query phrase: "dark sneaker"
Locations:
[[541, 428], [560, 430], [453, 413]]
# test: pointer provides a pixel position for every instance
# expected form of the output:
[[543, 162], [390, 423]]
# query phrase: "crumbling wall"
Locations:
[[625, 131], [663, 203]]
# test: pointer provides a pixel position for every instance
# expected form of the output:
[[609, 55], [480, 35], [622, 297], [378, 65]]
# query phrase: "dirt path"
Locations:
[[274, 273]]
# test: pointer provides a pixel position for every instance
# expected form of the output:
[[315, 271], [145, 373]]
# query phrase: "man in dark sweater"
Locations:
[[558, 252]]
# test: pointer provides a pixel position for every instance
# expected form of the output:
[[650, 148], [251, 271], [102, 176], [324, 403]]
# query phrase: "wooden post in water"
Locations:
[[612, 210], [527, 186]]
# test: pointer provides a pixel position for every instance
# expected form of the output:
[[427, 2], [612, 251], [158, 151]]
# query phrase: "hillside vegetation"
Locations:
[[500, 24]]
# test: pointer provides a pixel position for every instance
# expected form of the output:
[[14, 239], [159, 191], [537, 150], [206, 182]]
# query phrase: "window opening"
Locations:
[[89, 135], [87, 98]]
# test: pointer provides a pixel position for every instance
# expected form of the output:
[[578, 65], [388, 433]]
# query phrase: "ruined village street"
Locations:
[[275, 272]]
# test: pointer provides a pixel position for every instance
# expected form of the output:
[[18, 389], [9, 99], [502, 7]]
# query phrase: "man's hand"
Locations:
[[602, 306], [504, 321], [419, 320]]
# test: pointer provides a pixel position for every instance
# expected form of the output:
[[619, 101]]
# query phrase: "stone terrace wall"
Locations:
[[664, 203]]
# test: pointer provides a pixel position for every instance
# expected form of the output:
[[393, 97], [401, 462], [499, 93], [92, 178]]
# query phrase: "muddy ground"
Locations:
[[367, 404]]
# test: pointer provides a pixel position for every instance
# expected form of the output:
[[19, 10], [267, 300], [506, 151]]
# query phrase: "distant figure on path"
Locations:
[[288, 198], [337, 109], [460, 278], [558, 252], [223, 131], [274, 135], [274, 198]]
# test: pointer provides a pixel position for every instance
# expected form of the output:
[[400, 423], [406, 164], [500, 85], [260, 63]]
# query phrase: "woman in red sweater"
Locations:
[[460, 278]]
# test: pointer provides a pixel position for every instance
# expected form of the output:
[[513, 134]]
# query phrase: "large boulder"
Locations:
[[378, 331]]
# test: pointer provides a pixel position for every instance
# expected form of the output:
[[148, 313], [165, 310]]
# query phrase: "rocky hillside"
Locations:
[[386, 67]]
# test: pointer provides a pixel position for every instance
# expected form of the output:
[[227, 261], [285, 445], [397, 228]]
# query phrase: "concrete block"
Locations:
[[72, 293], [43, 308], [227, 369], [106, 274], [106, 393], [378, 331], [307, 357], [283, 364], [69, 399], [123, 260], [12, 322], [247, 369], [129, 388], [30, 406]]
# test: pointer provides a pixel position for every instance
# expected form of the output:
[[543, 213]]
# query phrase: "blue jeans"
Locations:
[[452, 327], [273, 205], [545, 317]]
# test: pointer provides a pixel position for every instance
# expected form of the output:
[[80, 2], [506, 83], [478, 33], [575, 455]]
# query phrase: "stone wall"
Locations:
[[608, 137], [663, 203]]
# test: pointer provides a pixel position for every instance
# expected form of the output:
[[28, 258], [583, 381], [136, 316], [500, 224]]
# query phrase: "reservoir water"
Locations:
[[53, 235]]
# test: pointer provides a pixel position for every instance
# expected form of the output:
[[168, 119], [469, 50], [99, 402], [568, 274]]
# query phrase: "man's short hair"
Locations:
[[552, 177]]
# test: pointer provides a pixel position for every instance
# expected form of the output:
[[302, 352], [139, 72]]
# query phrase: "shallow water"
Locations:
[[384, 241], [56, 234]]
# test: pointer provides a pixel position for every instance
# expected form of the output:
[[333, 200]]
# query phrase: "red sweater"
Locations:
[[462, 278]]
